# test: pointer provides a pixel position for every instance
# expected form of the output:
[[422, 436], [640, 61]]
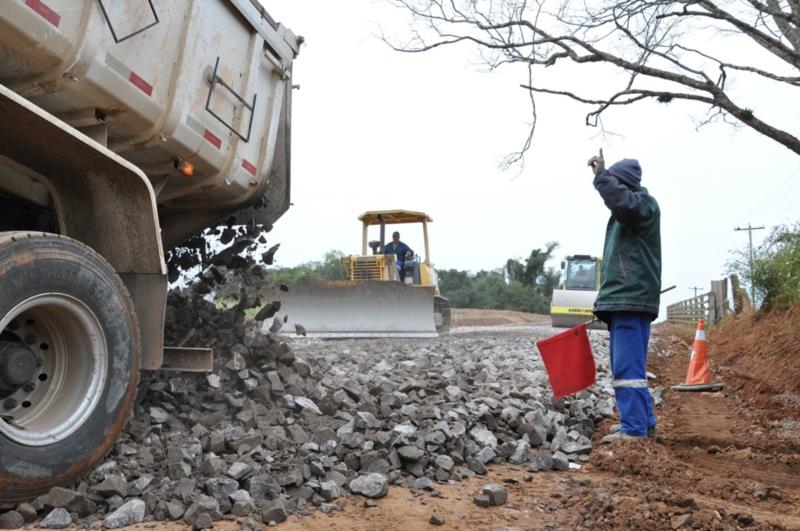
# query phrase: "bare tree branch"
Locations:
[[655, 41], [795, 80]]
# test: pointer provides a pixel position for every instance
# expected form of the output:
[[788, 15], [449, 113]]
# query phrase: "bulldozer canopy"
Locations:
[[393, 216]]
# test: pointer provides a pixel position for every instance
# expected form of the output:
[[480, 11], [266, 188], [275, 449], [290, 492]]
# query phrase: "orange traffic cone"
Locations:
[[698, 377]]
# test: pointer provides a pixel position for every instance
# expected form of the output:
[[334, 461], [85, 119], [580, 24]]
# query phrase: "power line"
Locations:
[[783, 196], [750, 230], [784, 211], [696, 289], [773, 192]]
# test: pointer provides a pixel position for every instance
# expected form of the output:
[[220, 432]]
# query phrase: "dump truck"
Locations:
[[375, 300], [573, 302], [125, 127]]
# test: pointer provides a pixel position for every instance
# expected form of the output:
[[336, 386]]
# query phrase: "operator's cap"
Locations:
[[395, 233]]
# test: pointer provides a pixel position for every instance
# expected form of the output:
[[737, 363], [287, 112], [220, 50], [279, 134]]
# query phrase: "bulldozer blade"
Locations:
[[573, 307], [351, 309]]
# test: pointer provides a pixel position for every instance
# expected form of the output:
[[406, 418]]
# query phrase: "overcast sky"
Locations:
[[376, 129]]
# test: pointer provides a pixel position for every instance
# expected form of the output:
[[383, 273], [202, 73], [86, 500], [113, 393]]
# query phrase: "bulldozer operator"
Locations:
[[402, 251]]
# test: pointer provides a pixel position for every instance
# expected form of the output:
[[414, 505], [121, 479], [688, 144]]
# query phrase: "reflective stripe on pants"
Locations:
[[629, 383]]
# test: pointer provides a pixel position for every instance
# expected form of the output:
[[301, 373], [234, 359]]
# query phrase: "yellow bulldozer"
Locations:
[[572, 303], [378, 299]]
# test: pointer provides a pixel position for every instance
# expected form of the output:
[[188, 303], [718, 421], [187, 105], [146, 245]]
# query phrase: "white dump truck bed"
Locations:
[[203, 82]]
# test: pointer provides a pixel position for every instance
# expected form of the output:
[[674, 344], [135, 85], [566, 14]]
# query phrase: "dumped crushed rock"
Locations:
[[280, 428]]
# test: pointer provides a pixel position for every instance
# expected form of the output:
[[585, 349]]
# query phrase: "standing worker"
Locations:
[[630, 289], [401, 251]]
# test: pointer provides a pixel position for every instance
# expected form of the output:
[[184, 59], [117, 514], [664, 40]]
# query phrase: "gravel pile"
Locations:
[[282, 428]]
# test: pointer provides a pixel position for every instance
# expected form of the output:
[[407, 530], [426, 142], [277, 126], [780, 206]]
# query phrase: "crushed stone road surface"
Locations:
[[456, 432]]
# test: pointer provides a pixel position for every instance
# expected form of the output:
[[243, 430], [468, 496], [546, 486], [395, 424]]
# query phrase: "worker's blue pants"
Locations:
[[629, 333]]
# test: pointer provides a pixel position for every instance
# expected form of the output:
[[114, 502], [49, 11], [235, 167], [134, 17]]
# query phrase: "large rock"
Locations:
[[239, 470], [423, 483], [11, 520], [130, 513], [243, 504], [329, 490], [57, 519], [365, 420], [445, 462], [179, 463], [139, 486], [175, 509], [410, 453], [72, 501], [263, 487], [275, 512], [521, 453], [115, 485], [372, 485], [221, 489], [483, 437], [28, 512], [202, 505], [158, 415], [498, 495]]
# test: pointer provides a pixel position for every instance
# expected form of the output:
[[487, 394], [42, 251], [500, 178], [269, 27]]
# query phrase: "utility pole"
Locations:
[[696, 289], [750, 230]]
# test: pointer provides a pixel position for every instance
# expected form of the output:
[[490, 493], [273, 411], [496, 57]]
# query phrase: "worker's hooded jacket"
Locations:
[[631, 277]]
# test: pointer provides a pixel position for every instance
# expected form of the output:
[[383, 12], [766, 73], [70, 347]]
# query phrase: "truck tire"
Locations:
[[70, 353]]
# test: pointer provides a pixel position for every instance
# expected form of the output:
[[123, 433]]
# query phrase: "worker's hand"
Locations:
[[597, 163]]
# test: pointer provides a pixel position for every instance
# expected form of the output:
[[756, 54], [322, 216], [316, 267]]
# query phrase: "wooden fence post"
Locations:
[[720, 301], [741, 301]]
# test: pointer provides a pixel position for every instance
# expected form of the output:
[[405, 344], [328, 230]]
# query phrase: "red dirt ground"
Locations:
[[471, 317]]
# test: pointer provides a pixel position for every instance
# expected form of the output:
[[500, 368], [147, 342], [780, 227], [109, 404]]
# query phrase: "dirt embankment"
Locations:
[[762, 353]]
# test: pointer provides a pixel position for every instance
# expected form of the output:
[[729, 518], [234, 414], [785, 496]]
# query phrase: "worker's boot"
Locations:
[[651, 431], [620, 436]]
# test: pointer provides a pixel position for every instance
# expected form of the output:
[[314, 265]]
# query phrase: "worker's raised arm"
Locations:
[[620, 188]]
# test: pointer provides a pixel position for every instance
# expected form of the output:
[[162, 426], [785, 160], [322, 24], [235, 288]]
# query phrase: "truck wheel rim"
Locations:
[[72, 367]]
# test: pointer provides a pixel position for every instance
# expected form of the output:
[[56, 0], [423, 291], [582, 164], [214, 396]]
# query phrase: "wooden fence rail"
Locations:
[[711, 306], [690, 310]]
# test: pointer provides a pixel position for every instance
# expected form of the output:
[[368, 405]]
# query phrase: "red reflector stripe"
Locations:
[[140, 83], [249, 167], [48, 14], [208, 135]]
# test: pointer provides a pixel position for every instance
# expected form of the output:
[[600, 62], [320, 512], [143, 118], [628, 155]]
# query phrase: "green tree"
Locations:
[[549, 281], [776, 271], [531, 272], [519, 285], [775, 277], [329, 268]]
